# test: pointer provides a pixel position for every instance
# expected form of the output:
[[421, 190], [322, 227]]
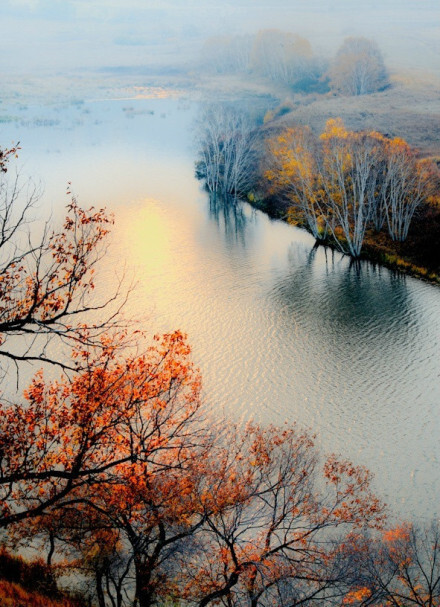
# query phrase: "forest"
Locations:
[[114, 472]]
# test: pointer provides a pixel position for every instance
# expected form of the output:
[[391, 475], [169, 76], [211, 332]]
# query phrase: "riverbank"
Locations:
[[407, 109], [418, 256]]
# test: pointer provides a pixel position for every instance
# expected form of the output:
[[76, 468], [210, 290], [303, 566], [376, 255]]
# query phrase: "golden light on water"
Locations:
[[155, 244], [147, 237]]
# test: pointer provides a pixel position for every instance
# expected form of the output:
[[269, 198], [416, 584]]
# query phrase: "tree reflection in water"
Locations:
[[228, 213]]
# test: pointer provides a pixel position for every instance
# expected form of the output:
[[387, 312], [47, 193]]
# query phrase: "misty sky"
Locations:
[[65, 34]]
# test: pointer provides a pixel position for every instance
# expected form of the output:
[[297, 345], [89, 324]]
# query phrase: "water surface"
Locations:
[[281, 331]]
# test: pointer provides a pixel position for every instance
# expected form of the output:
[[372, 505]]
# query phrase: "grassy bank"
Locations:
[[31, 584]]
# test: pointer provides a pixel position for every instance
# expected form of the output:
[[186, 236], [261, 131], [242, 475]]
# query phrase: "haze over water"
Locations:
[[52, 36]]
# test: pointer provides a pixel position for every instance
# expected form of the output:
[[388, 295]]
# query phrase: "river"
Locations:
[[281, 331]]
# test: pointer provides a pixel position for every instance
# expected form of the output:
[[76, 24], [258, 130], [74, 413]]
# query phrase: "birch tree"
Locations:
[[281, 56], [348, 180], [358, 68], [292, 158], [407, 184], [331, 180], [227, 156], [344, 183]]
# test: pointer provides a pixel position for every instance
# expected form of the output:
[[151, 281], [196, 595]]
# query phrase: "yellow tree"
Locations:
[[348, 181], [345, 182], [293, 172], [333, 181]]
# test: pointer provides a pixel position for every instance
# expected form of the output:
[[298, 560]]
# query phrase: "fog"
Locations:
[[58, 35]]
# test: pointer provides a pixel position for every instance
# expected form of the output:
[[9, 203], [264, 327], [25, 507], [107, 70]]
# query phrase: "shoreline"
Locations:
[[372, 252]]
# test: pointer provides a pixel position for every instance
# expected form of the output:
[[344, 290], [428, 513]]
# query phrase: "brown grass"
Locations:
[[30, 584], [14, 595], [409, 108]]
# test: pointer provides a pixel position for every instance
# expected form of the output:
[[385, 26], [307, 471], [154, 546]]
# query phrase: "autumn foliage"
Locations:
[[344, 183], [273, 513], [13, 595], [115, 412], [118, 468], [47, 277], [4, 157]]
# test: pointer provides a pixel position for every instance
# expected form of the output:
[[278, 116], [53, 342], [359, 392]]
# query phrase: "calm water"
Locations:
[[281, 331]]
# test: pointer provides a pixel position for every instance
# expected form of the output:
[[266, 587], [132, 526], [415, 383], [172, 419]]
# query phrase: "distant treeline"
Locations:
[[288, 59]]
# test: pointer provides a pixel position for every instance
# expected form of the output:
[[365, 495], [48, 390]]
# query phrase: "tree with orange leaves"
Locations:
[[116, 458], [154, 511], [4, 157], [117, 419], [410, 558], [248, 518], [47, 282], [405, 566], [117, 411], [273, 522], [399, 567]]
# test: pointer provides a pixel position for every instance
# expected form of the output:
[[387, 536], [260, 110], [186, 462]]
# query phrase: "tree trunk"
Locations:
[[144, 589], [99, 588]]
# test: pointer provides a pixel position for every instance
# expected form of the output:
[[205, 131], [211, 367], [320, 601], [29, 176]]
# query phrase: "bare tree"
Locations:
[[408, 182], [227, 157], [227, 54], [282, 56], [99, 555]]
